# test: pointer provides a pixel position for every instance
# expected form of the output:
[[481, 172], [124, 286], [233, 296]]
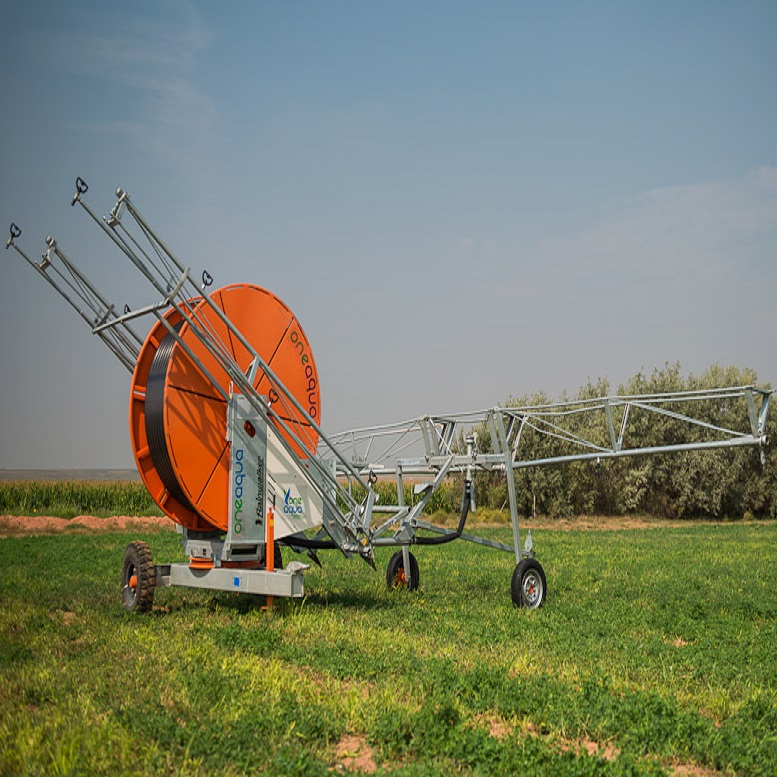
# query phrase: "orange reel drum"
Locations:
[[178, 418]]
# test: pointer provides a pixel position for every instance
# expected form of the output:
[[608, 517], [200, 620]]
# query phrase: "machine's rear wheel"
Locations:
[[138, 578], [528, 587], [396, 576]]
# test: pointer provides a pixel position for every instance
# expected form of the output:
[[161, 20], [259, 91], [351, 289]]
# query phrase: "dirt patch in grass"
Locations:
[[47, 524], [607, 750], [691, 770], [497, 726], [354, 754]]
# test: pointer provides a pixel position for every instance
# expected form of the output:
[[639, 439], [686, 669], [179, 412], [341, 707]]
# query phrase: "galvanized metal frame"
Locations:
[[426, 450], [436, 442]]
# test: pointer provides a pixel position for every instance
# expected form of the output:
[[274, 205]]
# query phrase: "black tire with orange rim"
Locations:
[[138, 578], [396, 576]]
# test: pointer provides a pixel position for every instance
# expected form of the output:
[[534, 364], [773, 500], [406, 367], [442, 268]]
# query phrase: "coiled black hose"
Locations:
[[155, 419]]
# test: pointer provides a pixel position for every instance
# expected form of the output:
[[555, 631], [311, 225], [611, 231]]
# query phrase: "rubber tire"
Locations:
[[395, 572], [139, 564], [529, 587]]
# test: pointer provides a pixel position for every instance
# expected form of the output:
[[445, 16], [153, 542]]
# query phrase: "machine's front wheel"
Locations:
[[396, 576], [138, 578], [528, 587]]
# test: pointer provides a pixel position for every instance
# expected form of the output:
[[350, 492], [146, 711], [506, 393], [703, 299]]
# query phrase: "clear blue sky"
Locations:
[[460, 201]]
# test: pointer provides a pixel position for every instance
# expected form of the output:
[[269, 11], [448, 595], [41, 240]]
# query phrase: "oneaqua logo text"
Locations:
[[292, 505], [237, 491]]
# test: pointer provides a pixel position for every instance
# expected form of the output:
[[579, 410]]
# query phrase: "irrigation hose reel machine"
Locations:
[[225, 414]]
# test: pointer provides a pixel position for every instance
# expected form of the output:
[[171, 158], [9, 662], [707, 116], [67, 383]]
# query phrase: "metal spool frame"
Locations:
[[177, 414]]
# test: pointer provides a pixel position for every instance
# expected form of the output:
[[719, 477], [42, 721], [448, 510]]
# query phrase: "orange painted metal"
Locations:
[[151, 478], [194, 416], [241, 565], [270, 540], [196, 562], [269, 563]]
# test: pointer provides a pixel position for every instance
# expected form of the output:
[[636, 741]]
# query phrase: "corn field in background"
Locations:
[[71, 498]]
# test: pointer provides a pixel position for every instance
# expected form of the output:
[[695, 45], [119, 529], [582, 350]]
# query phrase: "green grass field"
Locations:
[[656, 652]]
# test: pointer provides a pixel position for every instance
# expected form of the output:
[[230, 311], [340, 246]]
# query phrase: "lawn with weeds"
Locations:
[[655, 653]]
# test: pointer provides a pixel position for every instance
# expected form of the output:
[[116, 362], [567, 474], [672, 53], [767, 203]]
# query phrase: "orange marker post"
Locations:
[[269, 554]]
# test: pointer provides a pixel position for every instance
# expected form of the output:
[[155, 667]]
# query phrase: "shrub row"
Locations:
[[730, 483]]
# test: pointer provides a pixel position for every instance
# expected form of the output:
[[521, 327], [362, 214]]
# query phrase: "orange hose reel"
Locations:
[[178, 418]]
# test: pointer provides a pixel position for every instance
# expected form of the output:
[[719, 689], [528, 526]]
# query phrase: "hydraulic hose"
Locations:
[[296, 540], [466, 502]]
